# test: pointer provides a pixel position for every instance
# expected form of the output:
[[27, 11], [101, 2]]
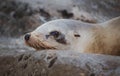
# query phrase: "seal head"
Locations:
[[58, 34], [66, 34]]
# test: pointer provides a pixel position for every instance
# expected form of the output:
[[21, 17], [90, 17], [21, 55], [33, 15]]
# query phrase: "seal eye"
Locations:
[[58, 36], [55, 34]]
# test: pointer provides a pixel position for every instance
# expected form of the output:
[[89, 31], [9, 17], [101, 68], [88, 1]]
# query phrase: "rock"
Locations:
[[22, 16], [98, 10], [16, 18], [58, 63]]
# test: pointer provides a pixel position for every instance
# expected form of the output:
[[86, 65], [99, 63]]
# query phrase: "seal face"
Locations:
[[66, 34]]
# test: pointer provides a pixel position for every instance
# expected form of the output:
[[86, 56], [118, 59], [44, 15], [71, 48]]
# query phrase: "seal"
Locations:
[[67, 34]]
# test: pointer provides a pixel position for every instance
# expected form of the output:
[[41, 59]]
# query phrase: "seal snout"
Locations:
[[27, 37]]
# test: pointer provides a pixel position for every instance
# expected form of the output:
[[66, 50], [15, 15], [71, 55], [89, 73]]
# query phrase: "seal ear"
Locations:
[[76, 35]]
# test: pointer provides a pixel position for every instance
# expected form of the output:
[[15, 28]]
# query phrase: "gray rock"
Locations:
[[58, 63], [100, 10], [22, 16]]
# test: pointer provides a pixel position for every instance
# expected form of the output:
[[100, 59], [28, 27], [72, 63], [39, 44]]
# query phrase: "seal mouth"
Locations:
[[38, 45]]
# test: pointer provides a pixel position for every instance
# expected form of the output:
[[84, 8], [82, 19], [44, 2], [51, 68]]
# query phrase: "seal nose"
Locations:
[[27, 37]]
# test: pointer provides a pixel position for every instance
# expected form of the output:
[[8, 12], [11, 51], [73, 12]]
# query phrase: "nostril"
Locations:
[[27, 37]]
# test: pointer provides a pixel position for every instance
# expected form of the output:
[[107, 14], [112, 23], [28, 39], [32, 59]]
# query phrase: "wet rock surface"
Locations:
[[58, 63]]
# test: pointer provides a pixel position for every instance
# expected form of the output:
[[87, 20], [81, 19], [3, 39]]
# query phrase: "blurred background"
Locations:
[[18, 17]]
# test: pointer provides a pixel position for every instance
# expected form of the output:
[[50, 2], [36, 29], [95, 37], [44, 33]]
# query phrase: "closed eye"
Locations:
[[55, 34], [58, 36]]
